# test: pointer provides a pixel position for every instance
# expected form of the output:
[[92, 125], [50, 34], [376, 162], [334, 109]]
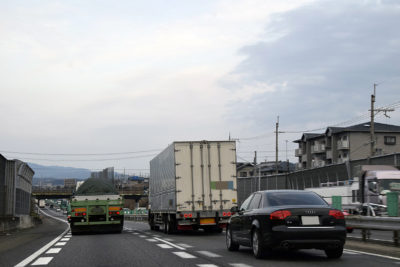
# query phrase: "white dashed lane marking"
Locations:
[[42, 261], [207, 265], [209, 254], [142, 236], [169, 243], [60, 244], [164, 246], [184, 245], [239, 265], [151, 240], [64, 239], [53, 251], [184, 255]]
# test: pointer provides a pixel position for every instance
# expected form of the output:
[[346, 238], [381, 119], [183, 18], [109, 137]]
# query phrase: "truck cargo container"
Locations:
[[192, 185], [41, 203]]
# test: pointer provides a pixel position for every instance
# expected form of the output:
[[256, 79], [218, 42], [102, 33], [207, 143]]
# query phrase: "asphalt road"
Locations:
[[138, 246]]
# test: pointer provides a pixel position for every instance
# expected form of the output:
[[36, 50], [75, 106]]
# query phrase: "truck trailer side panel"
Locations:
[[162, 182]]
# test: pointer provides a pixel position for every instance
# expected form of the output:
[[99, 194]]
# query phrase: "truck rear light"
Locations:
[[226, 214], [337, 214], [117, 212], [84, 214], [280, 214], [188, 215]]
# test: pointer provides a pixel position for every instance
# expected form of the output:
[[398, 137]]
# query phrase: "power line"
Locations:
[[81, 154], [110, 159]]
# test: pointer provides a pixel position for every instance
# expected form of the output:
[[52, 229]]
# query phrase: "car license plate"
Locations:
[[310, 220]]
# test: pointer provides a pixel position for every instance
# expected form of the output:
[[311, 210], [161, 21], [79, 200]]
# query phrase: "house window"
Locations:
[[390, 140], [344, 137], [243, 174]]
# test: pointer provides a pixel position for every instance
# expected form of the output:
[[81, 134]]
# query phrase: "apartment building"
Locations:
[[340, 144]]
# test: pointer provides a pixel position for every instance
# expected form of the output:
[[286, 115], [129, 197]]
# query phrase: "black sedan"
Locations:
[[290, 219]]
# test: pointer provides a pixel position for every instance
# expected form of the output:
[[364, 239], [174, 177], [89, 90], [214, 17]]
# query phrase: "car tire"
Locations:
[[259, 249], [230, 244], [334, 253]]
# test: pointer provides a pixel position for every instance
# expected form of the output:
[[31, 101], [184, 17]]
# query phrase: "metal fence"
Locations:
[[337, 174]]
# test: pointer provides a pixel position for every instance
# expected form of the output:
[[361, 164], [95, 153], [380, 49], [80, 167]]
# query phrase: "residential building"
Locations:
[[340, 144], [70, 183], [244, 169], [265, 168]]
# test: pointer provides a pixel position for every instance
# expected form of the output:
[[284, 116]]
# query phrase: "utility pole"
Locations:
[[372, 126], [287, 159], [276, 144]]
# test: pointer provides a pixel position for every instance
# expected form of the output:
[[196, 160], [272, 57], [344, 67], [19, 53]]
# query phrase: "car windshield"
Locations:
[[390, 184], [293, 199]]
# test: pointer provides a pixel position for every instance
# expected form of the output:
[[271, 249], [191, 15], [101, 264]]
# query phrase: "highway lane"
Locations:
[[138, 246], [18, 245]]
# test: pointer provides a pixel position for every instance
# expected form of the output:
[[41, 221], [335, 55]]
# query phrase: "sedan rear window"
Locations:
[[293, 199]]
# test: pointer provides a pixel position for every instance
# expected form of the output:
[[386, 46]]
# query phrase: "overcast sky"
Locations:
[[101, 77]]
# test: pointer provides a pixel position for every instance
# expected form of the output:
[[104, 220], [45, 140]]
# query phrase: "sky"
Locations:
[[93, 80]]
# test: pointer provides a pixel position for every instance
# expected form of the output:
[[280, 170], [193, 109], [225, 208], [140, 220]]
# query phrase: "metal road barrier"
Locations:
[[366, 223], [136, 217]]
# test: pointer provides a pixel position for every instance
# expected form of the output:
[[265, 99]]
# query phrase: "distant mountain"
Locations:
[[58, 172]]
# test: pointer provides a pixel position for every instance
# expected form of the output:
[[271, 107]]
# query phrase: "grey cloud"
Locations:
[[330, 54]]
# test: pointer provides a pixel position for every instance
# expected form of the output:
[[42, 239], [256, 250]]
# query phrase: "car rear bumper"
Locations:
[[306, 237]]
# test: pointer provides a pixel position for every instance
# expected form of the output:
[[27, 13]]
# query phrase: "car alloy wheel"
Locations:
[[258, 249]]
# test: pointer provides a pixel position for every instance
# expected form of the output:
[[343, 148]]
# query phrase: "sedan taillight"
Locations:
[[337, 214], [280, 215]]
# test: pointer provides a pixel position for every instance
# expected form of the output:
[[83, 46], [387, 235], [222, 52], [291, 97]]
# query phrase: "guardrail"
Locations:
[[366, 223], [136, 217]]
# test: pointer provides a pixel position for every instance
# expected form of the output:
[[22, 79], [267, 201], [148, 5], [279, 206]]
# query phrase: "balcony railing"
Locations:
[[343, 144], [329, 154], [298, 152], [318, 163], [318, 148]]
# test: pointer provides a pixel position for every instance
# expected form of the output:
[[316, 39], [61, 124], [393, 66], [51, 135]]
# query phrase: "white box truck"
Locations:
[[192, 185], [366, 193]]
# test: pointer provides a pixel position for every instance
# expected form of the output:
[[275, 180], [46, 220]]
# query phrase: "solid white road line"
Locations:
[[53, 251], [168, 239], [373, 254], [209, 254], [350, 253], [184, 255], [169, 243], [40, 251], [42, 261], [55, 218], [164, 246]]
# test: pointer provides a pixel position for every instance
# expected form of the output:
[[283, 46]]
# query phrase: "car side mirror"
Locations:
[[235, 209]]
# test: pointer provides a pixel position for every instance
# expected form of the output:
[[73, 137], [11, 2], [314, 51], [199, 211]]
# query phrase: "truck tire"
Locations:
[[169, 225]]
